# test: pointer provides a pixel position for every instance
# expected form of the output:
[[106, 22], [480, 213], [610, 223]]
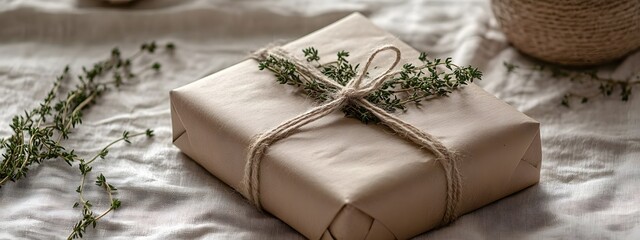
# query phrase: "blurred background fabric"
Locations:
[[590, 180]]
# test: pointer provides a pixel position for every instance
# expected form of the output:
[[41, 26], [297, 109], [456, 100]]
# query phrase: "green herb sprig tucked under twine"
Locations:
[[600, 86], [413, 84], [39, 133]]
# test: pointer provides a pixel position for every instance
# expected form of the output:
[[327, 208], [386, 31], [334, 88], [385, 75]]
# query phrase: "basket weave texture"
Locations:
[[571, 32]]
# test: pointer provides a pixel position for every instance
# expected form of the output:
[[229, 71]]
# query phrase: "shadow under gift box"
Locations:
[[337, 178]]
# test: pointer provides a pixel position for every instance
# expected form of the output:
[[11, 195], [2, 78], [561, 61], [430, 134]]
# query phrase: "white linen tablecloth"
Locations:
[[590, 181]]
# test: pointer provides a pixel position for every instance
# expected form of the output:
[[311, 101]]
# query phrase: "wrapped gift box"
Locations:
[[337, 178]]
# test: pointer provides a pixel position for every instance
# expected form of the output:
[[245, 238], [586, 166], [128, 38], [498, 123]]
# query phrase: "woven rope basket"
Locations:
[[571, 32]]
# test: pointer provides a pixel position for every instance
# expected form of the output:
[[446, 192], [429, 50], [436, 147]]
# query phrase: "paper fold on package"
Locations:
[[338, 178]]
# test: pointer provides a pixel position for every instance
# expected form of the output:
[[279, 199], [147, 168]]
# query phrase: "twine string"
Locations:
[[353, 93]]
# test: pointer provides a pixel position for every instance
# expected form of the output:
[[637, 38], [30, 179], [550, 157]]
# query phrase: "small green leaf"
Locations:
[[170, 46], [149, 133], [156, 66], [115, 204], [584, 100]]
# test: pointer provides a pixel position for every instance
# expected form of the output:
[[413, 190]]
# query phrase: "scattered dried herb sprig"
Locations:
[[413, 84], [39, 133], [89, 218], [600, 86]]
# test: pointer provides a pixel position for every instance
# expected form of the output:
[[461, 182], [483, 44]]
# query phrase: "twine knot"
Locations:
[[349, 93], [354, 93]]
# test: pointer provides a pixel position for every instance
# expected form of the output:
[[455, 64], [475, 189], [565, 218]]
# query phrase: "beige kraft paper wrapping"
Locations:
[[337, 178]]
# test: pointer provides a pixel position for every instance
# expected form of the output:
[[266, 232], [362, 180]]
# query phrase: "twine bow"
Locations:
[[353, 93]]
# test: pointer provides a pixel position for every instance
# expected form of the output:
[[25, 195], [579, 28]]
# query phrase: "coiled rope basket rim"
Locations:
[[571, 32]]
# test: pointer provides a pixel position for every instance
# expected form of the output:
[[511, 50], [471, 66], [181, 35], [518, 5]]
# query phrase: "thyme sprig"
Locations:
[[89, 217], [413, 84], [38, 133], [597, 85]]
